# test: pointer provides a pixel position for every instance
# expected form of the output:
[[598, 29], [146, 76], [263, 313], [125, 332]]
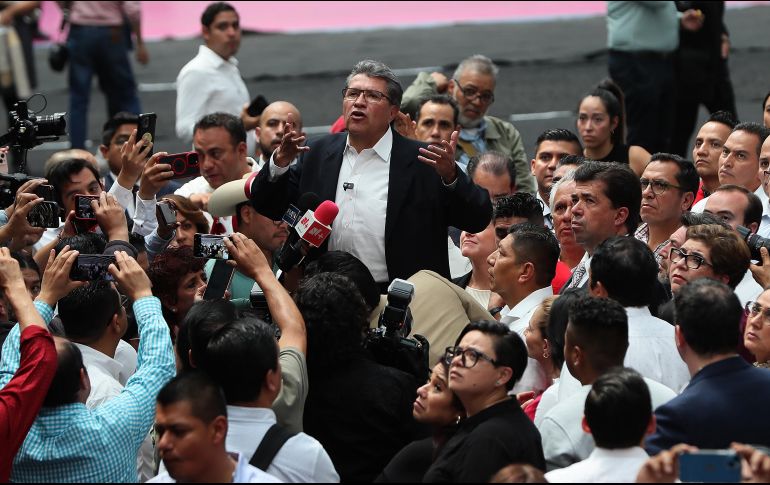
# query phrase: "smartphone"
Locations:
[[92, 267], [83, 209], [146, 129], [257, 106], [182, 164], [45, 191], [45, 214], [710, 466], [210, 246], [167, 214], [219, 280]]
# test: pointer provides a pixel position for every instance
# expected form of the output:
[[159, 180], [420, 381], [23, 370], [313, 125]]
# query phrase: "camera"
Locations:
[[389, 343], [29, 130], [261, 310], [9, 184], [754, 242]]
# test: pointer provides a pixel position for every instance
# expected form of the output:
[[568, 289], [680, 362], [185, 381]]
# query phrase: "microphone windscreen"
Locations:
[[326, 212]]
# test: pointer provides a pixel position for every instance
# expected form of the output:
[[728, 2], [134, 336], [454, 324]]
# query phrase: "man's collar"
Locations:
[[105, 363], [482, 131], [382, 148], [532, 300], [215, 59]]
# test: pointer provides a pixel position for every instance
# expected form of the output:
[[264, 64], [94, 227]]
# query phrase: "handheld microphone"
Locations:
[[311, 230], [287, 254]]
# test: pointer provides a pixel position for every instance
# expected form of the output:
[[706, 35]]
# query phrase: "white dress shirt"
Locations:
[[126, 355], [243, 473], [208, 84], [603, 466], [748, 289], [764, 225], [104, 374], [548, 400], [652, 350], [517, 318], [564, 441], [302, 459], [359, 228], [547, 219]]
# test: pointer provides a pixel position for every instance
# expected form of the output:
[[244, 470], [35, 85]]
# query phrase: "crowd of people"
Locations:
[[597, 312]]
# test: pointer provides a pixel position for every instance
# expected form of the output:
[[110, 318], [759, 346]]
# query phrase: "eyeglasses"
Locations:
[[753, 308], [692, 261], [470, 357], [486, 97], [371, 96], [658, 186]]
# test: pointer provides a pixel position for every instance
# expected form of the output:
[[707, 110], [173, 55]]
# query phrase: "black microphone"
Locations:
[[289, 255]]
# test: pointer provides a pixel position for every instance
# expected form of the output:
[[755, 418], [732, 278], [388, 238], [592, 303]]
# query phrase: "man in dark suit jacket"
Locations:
[[727, 398], [396, 228]]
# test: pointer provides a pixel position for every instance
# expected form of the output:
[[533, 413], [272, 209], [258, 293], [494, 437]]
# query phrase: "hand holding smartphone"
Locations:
[[83, 209], [182, 164], [146, 129], [92, 267]]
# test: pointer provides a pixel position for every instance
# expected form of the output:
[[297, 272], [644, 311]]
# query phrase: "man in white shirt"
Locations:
[[211, 82], [191, 426], [396, 196], [522, 269], [595, 341], [618, 414], [247, 343], [220, 142], [551, 146], [606, 203], [624, 269]]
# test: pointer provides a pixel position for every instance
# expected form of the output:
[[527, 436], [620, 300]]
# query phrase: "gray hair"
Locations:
[[568, 177], [379, 70], [477, 63], [493, 162]]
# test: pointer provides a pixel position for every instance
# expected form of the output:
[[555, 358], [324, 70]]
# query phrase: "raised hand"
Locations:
[[130, 277], [111, 217], [246, 256], [134, 156], [291, 144], [154, 177], [56, 282], [442, 158], [405, 126]]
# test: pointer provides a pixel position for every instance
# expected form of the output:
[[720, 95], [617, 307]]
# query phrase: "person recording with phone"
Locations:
[[377, 178]]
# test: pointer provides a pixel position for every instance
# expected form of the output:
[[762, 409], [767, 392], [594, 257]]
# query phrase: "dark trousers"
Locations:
[[647, 80], [102, 51], [712, 89]]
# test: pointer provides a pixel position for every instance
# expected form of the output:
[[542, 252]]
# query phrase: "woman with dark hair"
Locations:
[[601, 123], [358, 409], [437, 407], [485, 363], [176, 276], [540, 347]]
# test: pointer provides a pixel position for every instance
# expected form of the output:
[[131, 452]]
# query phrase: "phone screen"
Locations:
[[92, 267], [209, 246], [45, 214], [219, 280], [83, 209]]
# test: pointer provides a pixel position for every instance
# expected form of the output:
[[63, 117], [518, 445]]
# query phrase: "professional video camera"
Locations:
[[754, 241], [389, 343], [29, 130]]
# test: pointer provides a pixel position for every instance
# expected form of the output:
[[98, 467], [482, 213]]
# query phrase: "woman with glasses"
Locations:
[[756, 338], [601, 124], [709, 251], [437, 407], [485, 363]]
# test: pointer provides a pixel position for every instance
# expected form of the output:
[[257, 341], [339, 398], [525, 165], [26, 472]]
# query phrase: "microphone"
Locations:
[[288, 252], [314, 227]]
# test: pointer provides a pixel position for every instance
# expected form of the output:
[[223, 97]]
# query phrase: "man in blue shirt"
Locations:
[[68, 442]]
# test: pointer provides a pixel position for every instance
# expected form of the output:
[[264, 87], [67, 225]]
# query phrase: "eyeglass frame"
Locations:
[[661, 183], [365, 92], [683, 255], [463, 358], [764, 311], [478, 94]]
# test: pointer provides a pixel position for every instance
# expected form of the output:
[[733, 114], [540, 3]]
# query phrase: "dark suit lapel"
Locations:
[[330, 169], [403, 156]]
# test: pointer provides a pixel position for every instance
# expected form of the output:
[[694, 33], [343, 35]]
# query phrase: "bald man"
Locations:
[[72, 153], [271, 125]]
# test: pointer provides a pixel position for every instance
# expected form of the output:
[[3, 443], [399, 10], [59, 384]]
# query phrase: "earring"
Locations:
[[546, 355], [497, 383], [459, 418], [173, 310]]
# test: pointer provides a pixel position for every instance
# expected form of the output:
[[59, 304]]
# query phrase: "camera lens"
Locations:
[[179, 165], [52, 125]]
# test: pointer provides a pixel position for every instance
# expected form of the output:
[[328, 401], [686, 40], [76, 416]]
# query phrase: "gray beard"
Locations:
[[469, 123]]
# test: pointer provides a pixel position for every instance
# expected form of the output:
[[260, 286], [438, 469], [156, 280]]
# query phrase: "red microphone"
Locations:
[[315, 227]]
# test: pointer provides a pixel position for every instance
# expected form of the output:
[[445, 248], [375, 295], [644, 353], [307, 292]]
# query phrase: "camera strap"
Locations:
[[270, 445]]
